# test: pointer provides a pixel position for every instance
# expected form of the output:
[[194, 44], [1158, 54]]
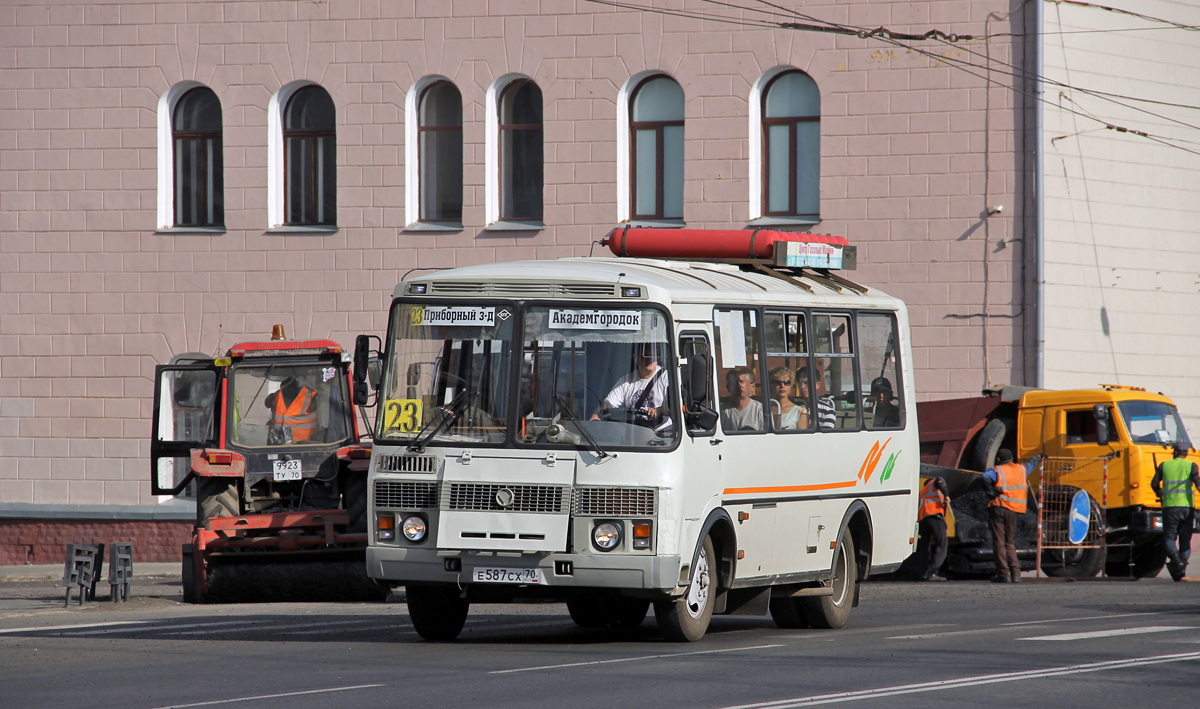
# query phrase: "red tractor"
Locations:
[[267, 439]]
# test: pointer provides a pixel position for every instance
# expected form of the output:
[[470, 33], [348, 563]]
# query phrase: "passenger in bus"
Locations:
[[826, 409], [742, 412], [641, 392], [785, 412], [886, 413]]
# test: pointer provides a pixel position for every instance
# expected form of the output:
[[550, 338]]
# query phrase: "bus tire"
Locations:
[[832, 611], [788, 613], [629, 612], [685, 619], [216, 497], [587, 612], [989, 442], [438, 612]]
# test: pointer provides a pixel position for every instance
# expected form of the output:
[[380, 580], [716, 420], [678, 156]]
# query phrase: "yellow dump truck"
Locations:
[[1130, 429]]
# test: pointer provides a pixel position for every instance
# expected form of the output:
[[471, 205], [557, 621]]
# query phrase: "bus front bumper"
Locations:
[[398, 566]]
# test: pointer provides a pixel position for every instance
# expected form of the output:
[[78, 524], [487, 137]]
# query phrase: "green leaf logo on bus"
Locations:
[[872, 460]]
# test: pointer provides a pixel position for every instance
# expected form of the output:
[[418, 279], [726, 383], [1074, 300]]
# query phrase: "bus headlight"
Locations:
[[387, 528], [414, 529], [606, 536]]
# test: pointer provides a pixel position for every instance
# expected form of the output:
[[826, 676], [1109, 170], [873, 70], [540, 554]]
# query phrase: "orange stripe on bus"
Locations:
[[789, 488]]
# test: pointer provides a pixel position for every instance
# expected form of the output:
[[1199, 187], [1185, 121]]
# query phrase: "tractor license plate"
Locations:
[[492, 575], [286, 470]]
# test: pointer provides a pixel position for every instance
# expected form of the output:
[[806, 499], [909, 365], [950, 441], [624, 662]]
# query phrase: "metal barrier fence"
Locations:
[[1071, 523]]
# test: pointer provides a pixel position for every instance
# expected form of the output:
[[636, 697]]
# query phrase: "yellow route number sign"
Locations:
[[416, 318], [403, 415]]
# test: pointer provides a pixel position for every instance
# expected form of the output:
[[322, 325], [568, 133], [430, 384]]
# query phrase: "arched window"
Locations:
[[656, 149], [310, 146], [791, 145], [521, 175], [197, 171], [440, 157]]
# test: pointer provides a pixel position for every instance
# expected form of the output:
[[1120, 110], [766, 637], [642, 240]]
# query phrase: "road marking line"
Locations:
[[270, 696], [947, 634], [840, 697], [71, 627], [630, 659], [1094, 617], [1111, 633], [149, 629]]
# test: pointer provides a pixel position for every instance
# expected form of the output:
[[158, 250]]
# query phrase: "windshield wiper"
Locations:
[[564, 407], [449, 414]]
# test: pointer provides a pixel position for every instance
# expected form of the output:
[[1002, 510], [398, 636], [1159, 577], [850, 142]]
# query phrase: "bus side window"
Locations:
[[879, 355], [835, 377], [739, 371]]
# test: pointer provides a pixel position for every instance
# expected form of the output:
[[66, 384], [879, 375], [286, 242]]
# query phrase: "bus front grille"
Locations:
[[504, 498], [615, 502], [406, 495], [406, 464]]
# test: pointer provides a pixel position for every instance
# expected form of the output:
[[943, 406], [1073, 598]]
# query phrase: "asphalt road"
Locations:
[[1086, 644]]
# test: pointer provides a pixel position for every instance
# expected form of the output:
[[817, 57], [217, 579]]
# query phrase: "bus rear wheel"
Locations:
[[686, 618], [832, 611], [438, 612]]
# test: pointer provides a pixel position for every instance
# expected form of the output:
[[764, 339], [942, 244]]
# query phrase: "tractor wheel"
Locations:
[[216, 497], [354, 500]]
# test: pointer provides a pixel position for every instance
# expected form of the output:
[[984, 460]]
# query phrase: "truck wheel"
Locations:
[[1149, 558], [216, 497], [832, 611], [438, 612], [686, 618], [989, 442], [354, 500], [1079, 562]]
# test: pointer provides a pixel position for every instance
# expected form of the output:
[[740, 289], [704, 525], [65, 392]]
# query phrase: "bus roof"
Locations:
[[665, 281]]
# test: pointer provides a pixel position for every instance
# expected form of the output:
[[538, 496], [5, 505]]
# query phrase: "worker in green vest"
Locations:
[[1173, 482]]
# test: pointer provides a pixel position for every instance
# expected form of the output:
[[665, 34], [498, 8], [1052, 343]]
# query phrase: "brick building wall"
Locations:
[[913, 151]]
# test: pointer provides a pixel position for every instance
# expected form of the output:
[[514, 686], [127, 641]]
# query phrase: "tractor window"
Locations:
[[272, 404]]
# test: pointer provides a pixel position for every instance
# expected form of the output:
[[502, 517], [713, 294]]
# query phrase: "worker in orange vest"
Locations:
[[1008, 486], [294, 409], [931, 518]]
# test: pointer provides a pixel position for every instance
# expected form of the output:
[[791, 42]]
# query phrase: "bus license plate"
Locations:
[[492, 575], [286, 470]]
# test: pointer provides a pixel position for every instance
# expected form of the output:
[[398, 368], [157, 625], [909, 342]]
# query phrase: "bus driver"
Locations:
[[642, 392]]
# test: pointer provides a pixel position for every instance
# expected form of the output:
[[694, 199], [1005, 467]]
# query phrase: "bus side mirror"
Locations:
[[362, 365], [699, 369], [1100, 412]]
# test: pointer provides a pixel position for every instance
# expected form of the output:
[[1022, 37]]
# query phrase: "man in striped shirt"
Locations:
[[826, 409]]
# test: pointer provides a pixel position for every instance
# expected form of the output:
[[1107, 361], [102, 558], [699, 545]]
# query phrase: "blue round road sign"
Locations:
[[1080, 517]]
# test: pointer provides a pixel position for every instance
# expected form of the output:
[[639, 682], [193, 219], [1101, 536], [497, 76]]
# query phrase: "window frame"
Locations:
[[898, 385], [318, 177], [506, 178], [792, 123], [421, 129], [210, 180], [659, 155]]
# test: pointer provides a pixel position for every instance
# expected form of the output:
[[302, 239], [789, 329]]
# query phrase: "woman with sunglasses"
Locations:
[[786, 412]]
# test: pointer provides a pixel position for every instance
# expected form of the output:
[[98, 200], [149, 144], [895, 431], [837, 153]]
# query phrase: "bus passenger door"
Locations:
[[701, 446]]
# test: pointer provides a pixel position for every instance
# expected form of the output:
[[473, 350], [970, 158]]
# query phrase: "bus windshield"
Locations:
[[1153, 422], [596, 378], [447, 378], [274, 404]]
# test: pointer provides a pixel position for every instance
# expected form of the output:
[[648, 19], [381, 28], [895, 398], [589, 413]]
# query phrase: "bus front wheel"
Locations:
[[438, 612], [833, 610], [686, 618]]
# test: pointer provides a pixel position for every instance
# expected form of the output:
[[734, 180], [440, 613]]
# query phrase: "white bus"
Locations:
[[626, 432]]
